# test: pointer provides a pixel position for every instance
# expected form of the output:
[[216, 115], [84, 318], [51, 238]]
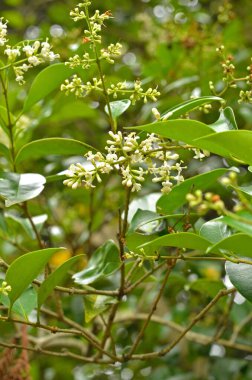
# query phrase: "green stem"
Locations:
[[10, 125], [98, 63]]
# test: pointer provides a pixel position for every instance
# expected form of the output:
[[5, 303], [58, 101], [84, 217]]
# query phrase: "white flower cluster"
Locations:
[[112, 51], [84, 62], [3, 31], [133, 159], [137, 93], [78, 88], [92, 34], [30, 54], [37, 53]]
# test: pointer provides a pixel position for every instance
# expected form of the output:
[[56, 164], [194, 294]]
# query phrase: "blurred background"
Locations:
[[169, 44]]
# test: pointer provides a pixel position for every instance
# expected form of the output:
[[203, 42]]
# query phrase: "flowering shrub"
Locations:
[[129, 235]]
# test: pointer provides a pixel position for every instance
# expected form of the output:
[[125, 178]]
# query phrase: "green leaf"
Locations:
[[4, 120], [104, 261], [232, 144], [136, 240], [54, 145], [24, 305], [95, 305], [240, 275], [45, 82], [54, 279], [25, 269], [181, 130], [226, 121], [118, 107], [4, 151], [188, 106], [245, 189], [177, 197], [180, 240], [16, 188], [214, 231], [72, 110], [146, 202], [239, 244], [25, 223], [239, 225], [207, 287], [145, 221]]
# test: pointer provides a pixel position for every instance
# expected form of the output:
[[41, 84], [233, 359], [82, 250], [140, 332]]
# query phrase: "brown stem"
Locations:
[[170, 265], [196, 319], [34, 228]]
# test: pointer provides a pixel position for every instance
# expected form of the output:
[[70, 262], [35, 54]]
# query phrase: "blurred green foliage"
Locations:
[[172, 45]]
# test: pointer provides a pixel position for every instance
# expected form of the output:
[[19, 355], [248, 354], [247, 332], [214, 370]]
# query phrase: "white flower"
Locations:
[[156, 113], [199, 155], [34, 61], [152, 142], [28, 50], [12, 53], [117, 138], [166, 186], [3, 32]]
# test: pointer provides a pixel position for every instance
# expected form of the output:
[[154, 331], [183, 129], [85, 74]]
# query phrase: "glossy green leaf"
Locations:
[[207, 287], [181, 130], [245, 189], [25, 223], [54, 145], [239, 225], [214, 231], [16, 188], [226, 121], [136, 240], [240, 275], [177, 197], [54, 279], [24, 305], [45, 82], [95, 305], [146, 202], [188, 106], [240, 244], [104, 261], [232, 144], [118, 107], [146, 221], [180, 240], [25, 269]]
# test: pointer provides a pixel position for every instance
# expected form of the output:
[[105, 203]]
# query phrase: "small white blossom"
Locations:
[[199, 155], [34, 61], [12, 53], [3, 32]]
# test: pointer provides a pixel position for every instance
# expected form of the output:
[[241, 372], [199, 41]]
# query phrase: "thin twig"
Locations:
[[140, 335], [197, 318]]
